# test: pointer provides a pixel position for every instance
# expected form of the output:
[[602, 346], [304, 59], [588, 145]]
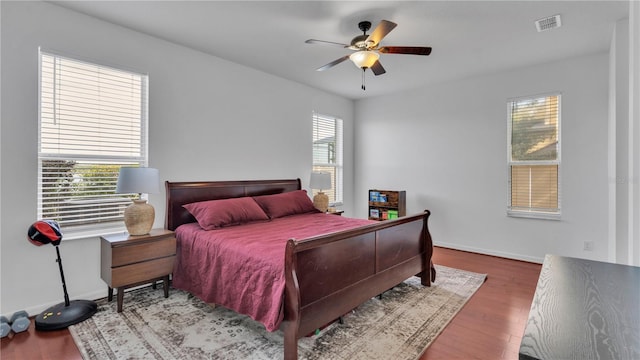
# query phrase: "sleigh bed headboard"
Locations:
[[181, 193]]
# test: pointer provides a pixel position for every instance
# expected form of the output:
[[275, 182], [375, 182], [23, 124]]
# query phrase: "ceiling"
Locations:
[[468, 37]]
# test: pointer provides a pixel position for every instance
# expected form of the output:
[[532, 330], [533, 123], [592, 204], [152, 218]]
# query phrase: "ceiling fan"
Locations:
[[367, 49]]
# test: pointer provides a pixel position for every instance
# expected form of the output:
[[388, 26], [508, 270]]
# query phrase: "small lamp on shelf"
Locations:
[[139, 216], [320, 181]]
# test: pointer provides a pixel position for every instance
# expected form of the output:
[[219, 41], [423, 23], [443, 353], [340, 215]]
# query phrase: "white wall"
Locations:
[[446, 146], [634, 134], [209, 120]]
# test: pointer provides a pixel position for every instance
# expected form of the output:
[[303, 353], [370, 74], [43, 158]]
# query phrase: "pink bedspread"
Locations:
[[242, 267]]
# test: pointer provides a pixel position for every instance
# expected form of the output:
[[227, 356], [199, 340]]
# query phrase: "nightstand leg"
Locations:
[[110, 293], [120, 298], [165, 285]]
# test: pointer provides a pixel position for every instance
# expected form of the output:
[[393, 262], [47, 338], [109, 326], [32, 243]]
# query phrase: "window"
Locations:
[[534, 157], [327, 154], [93, 119]]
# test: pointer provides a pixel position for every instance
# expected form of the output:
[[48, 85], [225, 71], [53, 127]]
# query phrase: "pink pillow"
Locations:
[[289, 203], [214, 214]]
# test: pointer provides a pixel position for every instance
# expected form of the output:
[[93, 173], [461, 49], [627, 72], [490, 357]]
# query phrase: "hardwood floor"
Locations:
[[488, 327], [491, 324]]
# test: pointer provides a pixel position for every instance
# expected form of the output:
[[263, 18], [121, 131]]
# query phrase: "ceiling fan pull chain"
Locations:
[[363, 70]]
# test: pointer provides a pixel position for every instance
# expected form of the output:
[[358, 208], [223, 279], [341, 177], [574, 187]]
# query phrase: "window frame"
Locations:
[[338, 152], [102, 226], [532, 212]]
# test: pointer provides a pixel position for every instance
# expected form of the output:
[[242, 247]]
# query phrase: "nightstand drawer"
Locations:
[[130, 260], [139, 272], [124, 255]]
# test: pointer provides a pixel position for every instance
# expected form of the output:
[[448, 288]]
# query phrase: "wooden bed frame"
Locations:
[[328, 275]]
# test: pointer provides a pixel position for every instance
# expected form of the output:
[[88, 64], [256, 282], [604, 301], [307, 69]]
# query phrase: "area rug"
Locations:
[[398, 325]]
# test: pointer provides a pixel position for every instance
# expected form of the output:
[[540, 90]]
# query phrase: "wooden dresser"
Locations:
[[127, 260], [584, 309]]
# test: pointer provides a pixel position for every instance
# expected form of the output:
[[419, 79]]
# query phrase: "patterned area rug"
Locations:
[[401, 325]]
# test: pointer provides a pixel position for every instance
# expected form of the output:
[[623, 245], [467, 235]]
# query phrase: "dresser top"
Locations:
[[584, 309]]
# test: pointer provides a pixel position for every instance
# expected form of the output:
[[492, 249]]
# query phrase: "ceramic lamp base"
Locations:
[[321, 201], [139, 217]]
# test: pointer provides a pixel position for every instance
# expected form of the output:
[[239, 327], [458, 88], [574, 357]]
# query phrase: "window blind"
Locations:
[[93, 120], [534, 155], [328, 153]]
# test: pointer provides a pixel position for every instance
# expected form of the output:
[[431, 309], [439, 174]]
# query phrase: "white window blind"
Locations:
[[328, 153], [93, 120], [534, 156]]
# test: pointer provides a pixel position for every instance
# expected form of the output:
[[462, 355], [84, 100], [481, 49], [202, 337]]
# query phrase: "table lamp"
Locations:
[[320, 181], [139, 216]]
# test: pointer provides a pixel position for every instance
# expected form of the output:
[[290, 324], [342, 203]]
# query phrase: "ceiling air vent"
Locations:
[[547, 23]]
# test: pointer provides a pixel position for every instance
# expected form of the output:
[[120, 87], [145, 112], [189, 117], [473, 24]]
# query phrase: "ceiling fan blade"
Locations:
[[333, 63], [322, 42], [411, 50], [383, 28], [377, 68]]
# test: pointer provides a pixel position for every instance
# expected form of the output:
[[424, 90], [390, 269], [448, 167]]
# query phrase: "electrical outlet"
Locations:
[[588, 246]]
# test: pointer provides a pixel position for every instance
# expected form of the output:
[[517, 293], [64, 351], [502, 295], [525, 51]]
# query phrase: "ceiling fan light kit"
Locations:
[[364, 58], [367, 52]]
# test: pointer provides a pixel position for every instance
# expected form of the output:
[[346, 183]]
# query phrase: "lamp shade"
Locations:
[[364, 58], [141, 180], [320, 180], [139, 216]]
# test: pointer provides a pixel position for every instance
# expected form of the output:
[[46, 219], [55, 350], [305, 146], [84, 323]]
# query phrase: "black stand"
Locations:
[[65, 314]]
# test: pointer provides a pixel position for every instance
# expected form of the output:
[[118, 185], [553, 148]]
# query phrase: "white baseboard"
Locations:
[[490, 252], [93, 295], [37, 309]]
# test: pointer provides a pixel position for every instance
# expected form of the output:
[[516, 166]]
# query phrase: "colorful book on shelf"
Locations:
[[373, 196], [392, 214], [382, 198], [374, 213]]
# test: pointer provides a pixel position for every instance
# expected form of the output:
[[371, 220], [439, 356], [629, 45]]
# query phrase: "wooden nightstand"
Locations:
[[127, 260]]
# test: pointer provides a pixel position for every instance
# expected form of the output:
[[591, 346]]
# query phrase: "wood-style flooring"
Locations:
[[489, 326]]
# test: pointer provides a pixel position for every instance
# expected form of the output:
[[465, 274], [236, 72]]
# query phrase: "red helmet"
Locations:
[[44, 232]]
